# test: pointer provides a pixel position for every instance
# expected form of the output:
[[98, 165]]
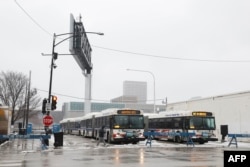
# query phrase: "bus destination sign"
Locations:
[[201, 113], [128, 112]]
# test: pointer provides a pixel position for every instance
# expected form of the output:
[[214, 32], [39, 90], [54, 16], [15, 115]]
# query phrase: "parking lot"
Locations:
[[79, 151]]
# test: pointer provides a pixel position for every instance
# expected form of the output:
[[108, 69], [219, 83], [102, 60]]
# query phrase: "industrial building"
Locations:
[[232, 110], [76, 109]]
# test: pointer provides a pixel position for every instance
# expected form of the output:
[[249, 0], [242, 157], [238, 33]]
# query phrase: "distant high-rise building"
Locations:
[[124, 99], [137, 89]]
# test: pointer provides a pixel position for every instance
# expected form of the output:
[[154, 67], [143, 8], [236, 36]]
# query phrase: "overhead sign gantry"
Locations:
[[79, 45], [80, 48]]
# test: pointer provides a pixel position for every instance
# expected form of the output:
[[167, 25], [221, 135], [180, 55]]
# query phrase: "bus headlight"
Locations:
[[116, 126]]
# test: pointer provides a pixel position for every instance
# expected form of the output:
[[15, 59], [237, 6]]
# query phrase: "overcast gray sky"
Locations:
[[186, 44]]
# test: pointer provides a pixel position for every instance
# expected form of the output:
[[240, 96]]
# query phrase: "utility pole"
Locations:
[[52, 66], [28, 103]]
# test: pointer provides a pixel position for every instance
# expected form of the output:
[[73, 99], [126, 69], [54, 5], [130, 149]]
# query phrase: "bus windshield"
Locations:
[[207, 123], [128, 122]]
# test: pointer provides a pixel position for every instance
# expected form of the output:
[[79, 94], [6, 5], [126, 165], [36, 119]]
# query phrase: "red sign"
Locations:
[[47, 120]]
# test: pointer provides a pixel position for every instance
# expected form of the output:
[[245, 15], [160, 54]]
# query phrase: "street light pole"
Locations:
[[153, 80], [54, 57], [51, 67]]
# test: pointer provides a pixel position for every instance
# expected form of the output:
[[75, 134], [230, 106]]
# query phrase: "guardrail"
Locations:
[[182, 134], [151, 134], [234, 138], [31, 136]]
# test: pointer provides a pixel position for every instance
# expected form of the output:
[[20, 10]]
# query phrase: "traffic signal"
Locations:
[[53, 103], [55, 55], [44, 106]]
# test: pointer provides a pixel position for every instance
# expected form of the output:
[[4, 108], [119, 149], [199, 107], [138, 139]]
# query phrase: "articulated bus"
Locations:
[[71, 125], [121, 125], [176, 125]]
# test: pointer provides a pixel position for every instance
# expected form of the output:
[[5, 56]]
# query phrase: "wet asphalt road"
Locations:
[[78, 151]]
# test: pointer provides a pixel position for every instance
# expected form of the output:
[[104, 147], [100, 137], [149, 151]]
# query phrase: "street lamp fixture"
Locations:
[[153, 79], [73, 35], [55, 55]]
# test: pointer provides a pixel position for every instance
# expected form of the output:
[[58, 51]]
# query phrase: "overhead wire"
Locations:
[[173, 58], [129, 52], [32, 19], [81, 98], [136, 53]]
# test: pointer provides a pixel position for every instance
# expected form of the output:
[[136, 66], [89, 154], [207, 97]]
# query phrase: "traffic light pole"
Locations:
[[54, 57], [52, 66], [51, 70], [48, 109]]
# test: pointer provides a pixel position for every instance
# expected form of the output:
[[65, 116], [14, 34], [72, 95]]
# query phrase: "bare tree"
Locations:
[[13, 88]]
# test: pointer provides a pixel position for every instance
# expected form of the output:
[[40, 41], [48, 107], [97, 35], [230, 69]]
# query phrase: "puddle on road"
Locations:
[[83, 159]]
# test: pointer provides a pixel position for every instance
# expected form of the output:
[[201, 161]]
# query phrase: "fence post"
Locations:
[[235, 141]]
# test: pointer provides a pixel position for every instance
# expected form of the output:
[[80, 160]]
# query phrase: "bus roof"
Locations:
[[64, 120], [178, 113], [110, 111], [113, 111], [150, 114]]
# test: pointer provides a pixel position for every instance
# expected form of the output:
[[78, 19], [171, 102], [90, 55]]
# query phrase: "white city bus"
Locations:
[[122, 125], [176, 125]]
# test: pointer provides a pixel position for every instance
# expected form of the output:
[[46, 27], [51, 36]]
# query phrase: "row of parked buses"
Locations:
[[121, 125], [132, 126]]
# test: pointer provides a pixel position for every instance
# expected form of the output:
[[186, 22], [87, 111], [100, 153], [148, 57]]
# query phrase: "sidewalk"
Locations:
[[21, 144]]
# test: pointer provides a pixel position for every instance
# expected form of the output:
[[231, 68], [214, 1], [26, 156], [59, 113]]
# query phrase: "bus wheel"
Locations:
[[134, 142], [201, 141], [177, 139]]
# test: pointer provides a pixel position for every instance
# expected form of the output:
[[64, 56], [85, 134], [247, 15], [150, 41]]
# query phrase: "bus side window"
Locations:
[[111, 121], [152, 123], [186, 123], [106, 121], [77, 124], [168, 122], [177, 123], [161, 123]]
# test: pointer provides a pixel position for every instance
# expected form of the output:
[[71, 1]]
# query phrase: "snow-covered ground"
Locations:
[[78, 143]]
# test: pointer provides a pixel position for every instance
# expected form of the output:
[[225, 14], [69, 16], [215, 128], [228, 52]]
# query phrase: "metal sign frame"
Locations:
[[79, 45]]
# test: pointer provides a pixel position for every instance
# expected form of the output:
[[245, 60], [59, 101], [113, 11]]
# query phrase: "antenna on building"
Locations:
[[165, 101]]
